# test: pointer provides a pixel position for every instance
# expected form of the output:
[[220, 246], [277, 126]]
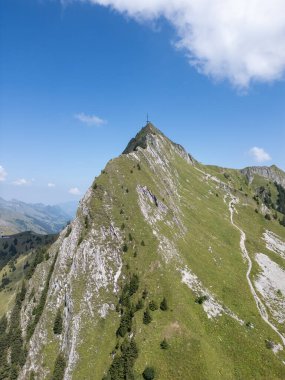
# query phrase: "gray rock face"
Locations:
[[146, 136], [273, 173]]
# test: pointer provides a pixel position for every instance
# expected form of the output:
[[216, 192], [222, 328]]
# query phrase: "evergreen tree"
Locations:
[[164, 305], [57, 327], [148, 373], [147, 317], [59, 367], [134, 284]]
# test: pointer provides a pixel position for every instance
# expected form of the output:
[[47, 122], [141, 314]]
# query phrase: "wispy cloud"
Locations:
[[238, 40], [90, 120], [3, 174], [21, 182], [259, 154], [50, 184], [74, 191]]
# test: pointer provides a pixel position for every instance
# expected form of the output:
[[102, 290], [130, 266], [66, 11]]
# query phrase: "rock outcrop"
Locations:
[[272, 173]]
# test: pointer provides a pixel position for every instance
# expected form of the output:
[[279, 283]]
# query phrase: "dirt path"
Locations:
[[259, 304]]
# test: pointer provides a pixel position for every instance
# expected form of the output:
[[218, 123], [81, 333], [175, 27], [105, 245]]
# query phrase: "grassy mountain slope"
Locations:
[[153, 255], [19, 255], [12, 246]]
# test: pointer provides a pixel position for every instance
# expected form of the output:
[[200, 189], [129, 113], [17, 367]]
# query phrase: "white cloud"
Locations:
[[259, 154], [21, 182], [3, 174], [74, 191], [50, 184], [90, 119], [238, 40]]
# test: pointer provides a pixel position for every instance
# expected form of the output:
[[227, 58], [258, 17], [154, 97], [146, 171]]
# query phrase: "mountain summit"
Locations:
[[141, 138], [170, 270], [150, 136]]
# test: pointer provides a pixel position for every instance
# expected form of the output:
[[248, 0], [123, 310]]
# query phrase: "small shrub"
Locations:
[[164, 345], [139, 305], [95, 186], [269, 344], [164, 305], [282, 222], [201, 299], [130, 237], [153, 306], [145, 293], [249, 325], [125, 248], [267, 217], [123, 226], [143, 243], [138, 166], [148, 373], [80, 240]]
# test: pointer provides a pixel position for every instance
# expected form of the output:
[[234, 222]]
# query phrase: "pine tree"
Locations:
[[57, 327], [163, 305], [147, 317], [59, 367], [148, 373]]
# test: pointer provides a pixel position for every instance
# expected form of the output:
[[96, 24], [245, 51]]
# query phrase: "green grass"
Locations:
[[200, 348]]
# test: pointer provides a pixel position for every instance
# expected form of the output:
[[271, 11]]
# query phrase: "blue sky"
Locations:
[[76, 82]]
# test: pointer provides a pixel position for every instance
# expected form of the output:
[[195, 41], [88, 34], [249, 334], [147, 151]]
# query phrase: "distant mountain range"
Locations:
[[17, 216]]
